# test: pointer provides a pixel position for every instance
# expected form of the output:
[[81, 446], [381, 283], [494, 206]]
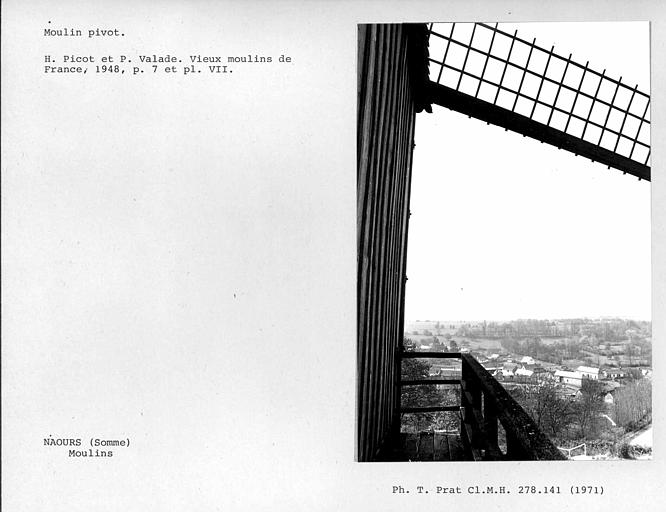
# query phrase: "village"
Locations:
[[586, 382]]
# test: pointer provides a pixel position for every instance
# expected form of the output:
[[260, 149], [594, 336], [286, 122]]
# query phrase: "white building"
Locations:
[[522, 372], [589, 372], [572, 378]]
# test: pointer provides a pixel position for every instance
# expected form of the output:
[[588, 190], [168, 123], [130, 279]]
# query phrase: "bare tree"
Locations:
[[633, 403]]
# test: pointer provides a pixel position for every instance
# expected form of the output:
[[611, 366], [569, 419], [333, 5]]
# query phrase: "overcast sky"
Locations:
[[505, 227]]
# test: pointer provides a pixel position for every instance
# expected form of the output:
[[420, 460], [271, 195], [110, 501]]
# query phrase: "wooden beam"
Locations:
[[493, 114]]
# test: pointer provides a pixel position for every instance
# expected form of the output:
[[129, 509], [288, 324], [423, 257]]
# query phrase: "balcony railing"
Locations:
[[484, 406]]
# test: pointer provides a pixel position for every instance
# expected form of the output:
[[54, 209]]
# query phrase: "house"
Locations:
[[572, 378], [450, 372], [589, 372], [615, 373], [509, 368], [507, 371], [524, 373], [527, 360]]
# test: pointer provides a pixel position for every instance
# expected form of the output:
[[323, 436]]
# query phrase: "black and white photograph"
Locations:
[[274, 256], [504, 242]]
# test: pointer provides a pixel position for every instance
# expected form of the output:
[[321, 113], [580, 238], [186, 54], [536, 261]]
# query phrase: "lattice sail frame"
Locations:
[[483, 61]]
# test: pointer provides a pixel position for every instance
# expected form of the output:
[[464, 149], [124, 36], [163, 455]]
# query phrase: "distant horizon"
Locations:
[[585, 317]]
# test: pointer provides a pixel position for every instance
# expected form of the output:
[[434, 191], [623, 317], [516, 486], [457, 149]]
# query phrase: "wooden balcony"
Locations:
[[485, 410]]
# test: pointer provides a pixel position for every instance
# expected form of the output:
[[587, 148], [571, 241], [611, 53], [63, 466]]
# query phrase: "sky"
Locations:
[[504, 227]]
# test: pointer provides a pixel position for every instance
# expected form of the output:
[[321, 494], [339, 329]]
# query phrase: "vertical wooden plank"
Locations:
[[380, 239], [389, 171], [402, 149]]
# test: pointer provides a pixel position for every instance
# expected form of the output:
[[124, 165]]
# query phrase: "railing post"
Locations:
[[514, 448], [475, 391], [470, 398], [465, 406], [490, 420]]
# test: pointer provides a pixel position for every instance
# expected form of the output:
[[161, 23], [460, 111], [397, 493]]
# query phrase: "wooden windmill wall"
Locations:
[[387, 104]]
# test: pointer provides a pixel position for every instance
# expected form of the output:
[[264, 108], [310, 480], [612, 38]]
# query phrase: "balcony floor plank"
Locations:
[[426, 447], [456, 451], [423, 447], [441, 446]]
